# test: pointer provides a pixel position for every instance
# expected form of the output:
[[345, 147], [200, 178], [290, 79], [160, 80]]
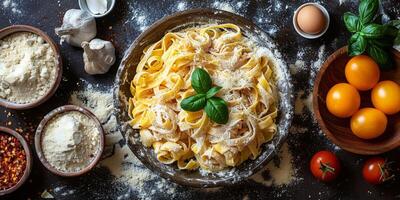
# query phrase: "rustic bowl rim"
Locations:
[[29, 160], [198, 184], [26, 28], [39, 137], [319, 117]]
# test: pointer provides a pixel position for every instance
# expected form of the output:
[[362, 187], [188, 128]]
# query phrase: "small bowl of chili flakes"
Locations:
[[15, 161]]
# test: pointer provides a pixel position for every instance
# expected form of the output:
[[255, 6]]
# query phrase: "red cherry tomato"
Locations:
[[376, 171], [325, 166]]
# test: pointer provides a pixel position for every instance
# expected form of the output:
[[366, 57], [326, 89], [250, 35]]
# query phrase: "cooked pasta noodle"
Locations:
[[191, 139]]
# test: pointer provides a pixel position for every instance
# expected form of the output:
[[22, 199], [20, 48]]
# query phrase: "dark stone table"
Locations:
[[125, 23]]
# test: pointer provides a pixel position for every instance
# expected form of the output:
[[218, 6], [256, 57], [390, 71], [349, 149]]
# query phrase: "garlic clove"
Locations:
[[98, 56], [78, 26]]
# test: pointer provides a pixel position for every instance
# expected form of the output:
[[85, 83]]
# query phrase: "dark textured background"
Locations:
[[99, 184]]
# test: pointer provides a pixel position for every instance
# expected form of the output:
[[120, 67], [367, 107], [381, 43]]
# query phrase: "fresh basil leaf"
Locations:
[[194, 103], [357, 45], [367, 10], [360, 26], [201, 81], [381, 56], [395, 23], [373, 31], [384, 43], [390, 30], [217, 110], [397, 40], [351, 22], [213, 91]]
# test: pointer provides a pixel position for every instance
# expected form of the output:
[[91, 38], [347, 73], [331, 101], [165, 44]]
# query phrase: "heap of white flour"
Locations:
[[70, 141], [27, 67]]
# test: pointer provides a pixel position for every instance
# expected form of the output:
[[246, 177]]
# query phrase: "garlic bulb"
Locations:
[[78, 26], [98, 56]]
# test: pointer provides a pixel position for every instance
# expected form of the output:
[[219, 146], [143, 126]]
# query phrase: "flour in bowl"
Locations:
[[71, 141], [28, 67]]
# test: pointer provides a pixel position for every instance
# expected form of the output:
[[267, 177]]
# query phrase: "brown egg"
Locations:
[[311, 20]]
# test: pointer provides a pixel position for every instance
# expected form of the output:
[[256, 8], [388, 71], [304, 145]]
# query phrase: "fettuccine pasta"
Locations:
[[191, 139]]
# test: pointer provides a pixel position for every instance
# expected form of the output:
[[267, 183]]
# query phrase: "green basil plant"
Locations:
[[371, 37]]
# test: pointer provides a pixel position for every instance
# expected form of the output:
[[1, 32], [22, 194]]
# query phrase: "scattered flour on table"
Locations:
[[272, 30], [223, 6], [303, 101], [298, 129], [139, 16], [347, 1], [264, 19], [238, 7], [316, 65], [299, 68], [181, 6], [118, 158], [279, 175], [100, 103], [278, 6], [299, 103], [11, 5], [303, 97], [141, 20]]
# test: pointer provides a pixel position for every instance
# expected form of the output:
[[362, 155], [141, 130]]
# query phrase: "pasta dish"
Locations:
[[191, 139]]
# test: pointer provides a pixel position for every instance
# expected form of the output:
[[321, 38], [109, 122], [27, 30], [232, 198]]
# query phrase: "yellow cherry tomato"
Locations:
[[362, 72], [343, 100], [368, 123], [386, 97]]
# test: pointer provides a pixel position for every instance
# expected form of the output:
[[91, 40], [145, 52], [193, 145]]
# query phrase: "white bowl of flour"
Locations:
[[69, 141], [30, 67]]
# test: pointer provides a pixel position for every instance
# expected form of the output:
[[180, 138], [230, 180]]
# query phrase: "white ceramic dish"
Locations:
[[110, 5], [304, 34]]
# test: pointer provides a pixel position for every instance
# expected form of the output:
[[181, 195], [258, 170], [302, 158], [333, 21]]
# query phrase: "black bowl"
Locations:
[[127, 71]]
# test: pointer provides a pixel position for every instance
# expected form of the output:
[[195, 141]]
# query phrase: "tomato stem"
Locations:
[[385, 172], [325, 168]]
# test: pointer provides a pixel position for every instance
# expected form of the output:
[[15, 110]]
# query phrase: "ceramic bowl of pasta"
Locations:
[[204, 98]]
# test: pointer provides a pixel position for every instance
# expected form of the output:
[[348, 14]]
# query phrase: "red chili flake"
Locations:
[[12, 161]]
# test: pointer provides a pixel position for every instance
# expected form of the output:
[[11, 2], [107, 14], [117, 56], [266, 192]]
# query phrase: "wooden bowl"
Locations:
[[39, 137], [126, 72], [338, 129], [25, 28], [29, 160]]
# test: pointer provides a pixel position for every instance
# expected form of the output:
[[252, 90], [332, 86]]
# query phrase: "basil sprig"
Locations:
[[215, 107], [194, 103], [351, 22], [213, 91], [217, 110], [370, 37], [201, 81], [367, 10], [396, 23]]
